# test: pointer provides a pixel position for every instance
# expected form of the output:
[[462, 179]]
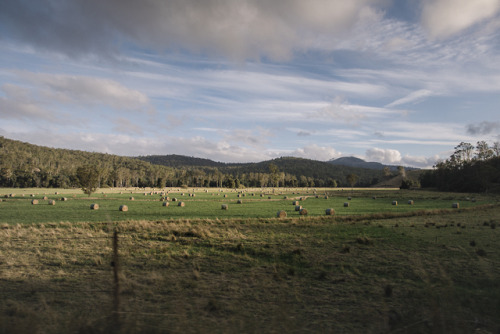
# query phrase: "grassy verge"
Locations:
[[435, 272]]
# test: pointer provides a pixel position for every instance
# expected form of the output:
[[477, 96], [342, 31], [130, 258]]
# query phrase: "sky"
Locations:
[[400, 82]]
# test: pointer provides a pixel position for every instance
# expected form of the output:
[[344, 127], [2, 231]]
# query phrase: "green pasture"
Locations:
[[147, 204]]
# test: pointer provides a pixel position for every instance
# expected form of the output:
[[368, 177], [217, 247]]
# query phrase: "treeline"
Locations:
[[469, 169], [25, 165]]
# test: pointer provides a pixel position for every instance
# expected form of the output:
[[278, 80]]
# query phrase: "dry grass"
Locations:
[[366, 274]]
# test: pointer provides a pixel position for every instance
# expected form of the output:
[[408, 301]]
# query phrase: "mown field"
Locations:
[[147, 204], [372, 268]]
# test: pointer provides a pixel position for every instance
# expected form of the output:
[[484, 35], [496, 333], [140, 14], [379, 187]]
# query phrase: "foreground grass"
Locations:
[[433, 273]]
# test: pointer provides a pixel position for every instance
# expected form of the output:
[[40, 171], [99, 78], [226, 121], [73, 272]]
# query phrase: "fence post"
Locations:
[[116, 287]]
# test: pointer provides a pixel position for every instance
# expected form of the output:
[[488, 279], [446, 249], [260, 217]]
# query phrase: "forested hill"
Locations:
[[292, 171], [27, 165], [174, 160]]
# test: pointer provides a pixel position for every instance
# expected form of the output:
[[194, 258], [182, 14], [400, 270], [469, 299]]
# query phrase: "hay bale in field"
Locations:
[[166, 204], [45, 198], [410, 202], [94, 206], [303, 212], [131, 198], [317, 196], [326, 197], [123, 208], [346, 204], [181, 204], [32, 195], [374, 197], [330, 212], [52, 202], [298, 207], [225, 195], [455, 206], [34, 202], [269, 197], [349, 198], [174, 199], [239, 202], [63, 199], [224, 207], [395, 203], [295, 203], [281, 214], [56, 193], [239, 195]]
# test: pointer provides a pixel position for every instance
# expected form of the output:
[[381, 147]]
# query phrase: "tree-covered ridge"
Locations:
[[27, 165], [469, 169]]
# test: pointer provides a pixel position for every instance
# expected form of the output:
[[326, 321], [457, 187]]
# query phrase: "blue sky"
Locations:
[[394, 81]]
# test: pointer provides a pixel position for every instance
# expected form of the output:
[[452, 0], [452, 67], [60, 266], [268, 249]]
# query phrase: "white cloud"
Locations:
[[444, 18], [236, 29], [385, 156], [316, 152], [413, 97], [84, 90]]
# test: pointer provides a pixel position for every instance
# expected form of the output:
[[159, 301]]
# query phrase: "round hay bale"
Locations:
[[64, 199], [269, 197], [346, 204], [94, 206], [303, 212], [131, 198], [261, 195], [410, 202], [455, 206], [12, 195], [286, 197], [181, 204], [395, 203], [239, 202], [224, 207], [374, 197], [45, 198], [330, 212], [349, 198], [281, 214], [239, 195], [225, 195], [1, 200], [174, 199], [56, 193], [52, 202], [34, 202], [317, 196], [295, 203], [166, 204], [123, 208], [298, 207], [326, 197]]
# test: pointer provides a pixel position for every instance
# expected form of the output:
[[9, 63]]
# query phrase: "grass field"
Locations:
[[372, 268], [147, 204]]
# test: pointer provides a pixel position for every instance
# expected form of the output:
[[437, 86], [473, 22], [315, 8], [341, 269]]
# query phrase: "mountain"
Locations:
[[174, 160], [27, 165], [360, 163]]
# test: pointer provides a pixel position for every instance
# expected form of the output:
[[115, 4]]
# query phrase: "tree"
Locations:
[[88, 178], [483, 151], [402, 171], [352, 179], [275, 176]]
